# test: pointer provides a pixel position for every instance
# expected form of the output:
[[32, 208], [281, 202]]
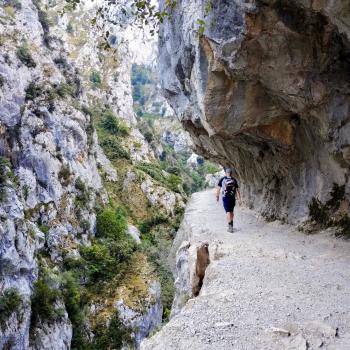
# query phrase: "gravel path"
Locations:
[[267, 287]]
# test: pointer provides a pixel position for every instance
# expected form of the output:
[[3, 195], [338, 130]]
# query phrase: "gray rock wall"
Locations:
[[265, 90], [47, 143]]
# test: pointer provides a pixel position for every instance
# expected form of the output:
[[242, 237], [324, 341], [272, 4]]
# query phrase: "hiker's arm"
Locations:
[[218, 188], [238, 195]]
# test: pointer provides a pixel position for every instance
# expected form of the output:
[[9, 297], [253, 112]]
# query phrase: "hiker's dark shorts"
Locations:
[[229, 204]]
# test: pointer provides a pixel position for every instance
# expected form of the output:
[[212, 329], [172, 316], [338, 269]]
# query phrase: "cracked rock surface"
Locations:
[[267, 286], [265, 90]]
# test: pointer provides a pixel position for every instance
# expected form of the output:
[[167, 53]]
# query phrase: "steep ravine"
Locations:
[[263, 87], [75, 186]]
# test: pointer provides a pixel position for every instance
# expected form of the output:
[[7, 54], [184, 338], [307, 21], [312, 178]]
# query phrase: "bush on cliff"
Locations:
[[111, 223], [43, 302], [10, 302], [113, 125]]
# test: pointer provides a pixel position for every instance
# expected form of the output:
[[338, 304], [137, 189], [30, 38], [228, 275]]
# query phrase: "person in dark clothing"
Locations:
[[228, 186]]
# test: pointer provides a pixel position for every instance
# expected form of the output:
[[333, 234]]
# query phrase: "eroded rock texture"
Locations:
[[265, 90]]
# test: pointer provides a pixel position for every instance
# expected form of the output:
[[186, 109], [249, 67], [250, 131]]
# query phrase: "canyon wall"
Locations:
[[69, 148], [263, 86]]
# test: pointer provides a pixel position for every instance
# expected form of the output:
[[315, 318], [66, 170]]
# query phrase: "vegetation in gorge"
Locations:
[[24, 56], [171, 170], [83, 280], [10, 302], [113, 263], [5, 173], [330, 214], [110, 131]]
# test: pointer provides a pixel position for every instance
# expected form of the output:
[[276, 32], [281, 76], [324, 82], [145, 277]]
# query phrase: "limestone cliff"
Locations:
[[263, 86], [69, 155]]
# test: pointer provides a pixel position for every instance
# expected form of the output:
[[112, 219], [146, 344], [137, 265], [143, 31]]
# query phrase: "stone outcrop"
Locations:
[[264, 90]]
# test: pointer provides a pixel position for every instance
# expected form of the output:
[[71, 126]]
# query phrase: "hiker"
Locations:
[[228, 186]]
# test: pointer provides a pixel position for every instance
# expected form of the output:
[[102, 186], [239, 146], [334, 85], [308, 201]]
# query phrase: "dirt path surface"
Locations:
[[267, 287]]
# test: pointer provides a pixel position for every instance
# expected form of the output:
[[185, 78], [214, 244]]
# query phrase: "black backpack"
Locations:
[[229, 188]]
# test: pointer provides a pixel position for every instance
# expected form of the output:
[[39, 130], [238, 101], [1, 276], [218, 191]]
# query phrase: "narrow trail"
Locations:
[[268, 286]]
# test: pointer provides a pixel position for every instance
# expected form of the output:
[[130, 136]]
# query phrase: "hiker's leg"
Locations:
[[229, 217]]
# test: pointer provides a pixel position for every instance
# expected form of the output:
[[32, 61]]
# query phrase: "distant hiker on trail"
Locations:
[[228, 186]]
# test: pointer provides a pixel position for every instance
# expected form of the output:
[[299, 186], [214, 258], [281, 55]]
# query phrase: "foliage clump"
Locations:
[[24, 56], [83, 196], [64, 174], [43, 302], [64, 89], [95, 79], [10, 302], [114, 149], [32, 92], [112, 247], [111, 223], [114, 335], [113, 125], [5, 173]]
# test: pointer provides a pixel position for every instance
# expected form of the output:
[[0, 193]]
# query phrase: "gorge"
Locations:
[[104, 137]]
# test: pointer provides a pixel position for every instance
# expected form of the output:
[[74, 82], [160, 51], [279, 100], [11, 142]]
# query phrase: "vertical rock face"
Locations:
[[53, 172], [265, 89]]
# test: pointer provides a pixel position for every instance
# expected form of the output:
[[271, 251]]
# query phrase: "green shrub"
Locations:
[[148, 136], [174, 170], [64, 174], [153, 251], [113, 149], [24, 56], [25, 190], [137, 145], [83, 197], [74, 264], [111, 223], [5, 166], [44, 229], [152, 170], [115, 336], [197, 182], [95, 79], [32, 91], [146, 226], [174, 182], [122, 250], [100, 263], [71, 297], [64, 89], [71, 291], [84, 225], [211, 168], [111, 124], [43, 302], [10, 302], [80, 185]]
